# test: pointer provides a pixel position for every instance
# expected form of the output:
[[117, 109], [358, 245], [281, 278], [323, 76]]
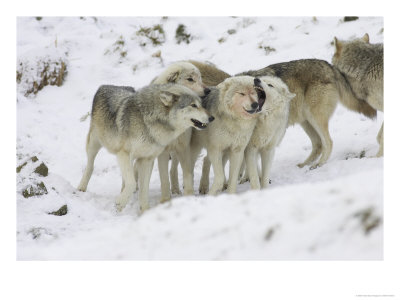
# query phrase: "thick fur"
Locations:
[[318, 86], [269, 131], [183, 73], [362, 65], [210, 75], [213, 76], [138, 126], [188, 75], [233, 103]]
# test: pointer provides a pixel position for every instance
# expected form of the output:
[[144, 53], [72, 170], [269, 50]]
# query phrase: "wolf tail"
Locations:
[[349, 100]]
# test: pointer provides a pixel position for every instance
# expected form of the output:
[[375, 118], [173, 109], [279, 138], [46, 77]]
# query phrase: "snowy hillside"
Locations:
[[332, 212]]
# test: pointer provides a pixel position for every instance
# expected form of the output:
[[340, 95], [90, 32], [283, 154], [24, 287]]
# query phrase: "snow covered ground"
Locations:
[[330, 213]]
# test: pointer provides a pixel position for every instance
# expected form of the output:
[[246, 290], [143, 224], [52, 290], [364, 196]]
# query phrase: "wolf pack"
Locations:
[[194, 105]]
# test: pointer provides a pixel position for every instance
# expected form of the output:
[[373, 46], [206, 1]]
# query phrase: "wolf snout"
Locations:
[[210, 119], [254, 105], [206, 91]]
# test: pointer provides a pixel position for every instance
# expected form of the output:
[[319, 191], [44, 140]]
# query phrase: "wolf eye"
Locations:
[[190, 79], [194, 105], [242, 94], [270, 85]]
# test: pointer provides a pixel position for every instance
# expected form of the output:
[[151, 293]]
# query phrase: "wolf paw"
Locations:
[[243, 180], [203, 189], [176, 191], [315, 166], [119, 207], [301, 165], [165, 199]]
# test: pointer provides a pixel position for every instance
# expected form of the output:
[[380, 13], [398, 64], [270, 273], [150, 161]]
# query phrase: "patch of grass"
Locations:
[[42, 170], [181, 34], [62, 211], [267, 49], [369, 220], [155, 35], [48, 72], [349, 19], [35, 190]]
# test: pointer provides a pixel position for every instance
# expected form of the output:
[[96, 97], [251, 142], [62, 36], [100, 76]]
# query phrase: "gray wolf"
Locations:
[[362, 64], [318, 86], [186, 74], [235, 104], [269, 130], [139, 126]]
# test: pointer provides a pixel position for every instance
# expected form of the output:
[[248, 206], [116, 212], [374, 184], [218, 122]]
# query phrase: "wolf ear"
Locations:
[[168, 98], [337, 43], [365, 38], [173, 77]]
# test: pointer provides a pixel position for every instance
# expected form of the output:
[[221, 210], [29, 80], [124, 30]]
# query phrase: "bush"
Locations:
[[155, 35], [34, 76], [181, 35]]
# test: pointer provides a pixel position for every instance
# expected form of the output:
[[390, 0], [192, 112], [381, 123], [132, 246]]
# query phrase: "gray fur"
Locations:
[[138, 126], [318, 86], [362, 64]]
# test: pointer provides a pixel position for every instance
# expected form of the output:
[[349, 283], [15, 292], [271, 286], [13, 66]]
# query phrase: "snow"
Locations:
[[304, 215]]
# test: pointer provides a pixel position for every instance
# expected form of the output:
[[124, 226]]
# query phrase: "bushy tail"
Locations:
[[349, 100]]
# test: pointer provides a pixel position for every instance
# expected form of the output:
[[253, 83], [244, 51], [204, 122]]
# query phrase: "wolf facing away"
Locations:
[[234, 103], [139, 126], [269, 131], [362, 64]]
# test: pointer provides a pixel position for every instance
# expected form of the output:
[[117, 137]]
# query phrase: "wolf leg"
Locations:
[[163, 159], [184, 158], [267, 156], [315, 141], [380, 141], [215, 157], [92, 148], [205, 176], [251, 167], [235, 163], [145, 166], [128, 177], [321, 126], [174, 174], [225, 157]]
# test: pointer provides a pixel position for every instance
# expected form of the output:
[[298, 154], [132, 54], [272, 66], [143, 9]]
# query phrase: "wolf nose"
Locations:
[[257, 81], [254, 105], [210, 119], [206, 91]]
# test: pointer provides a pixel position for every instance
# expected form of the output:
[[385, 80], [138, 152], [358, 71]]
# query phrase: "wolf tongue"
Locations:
[[260, 93]]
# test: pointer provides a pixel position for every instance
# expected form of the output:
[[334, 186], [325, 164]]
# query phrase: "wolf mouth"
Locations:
[[198, 124], [260, 93], [251, 111]]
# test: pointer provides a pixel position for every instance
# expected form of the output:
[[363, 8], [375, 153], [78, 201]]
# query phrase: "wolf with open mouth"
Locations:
[[140, 125]]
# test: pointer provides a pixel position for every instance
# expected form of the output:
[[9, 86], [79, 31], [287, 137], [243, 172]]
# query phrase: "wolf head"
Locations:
[[238, 97], [277, 93], [185, 74], [347, 51], [184, 107]]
